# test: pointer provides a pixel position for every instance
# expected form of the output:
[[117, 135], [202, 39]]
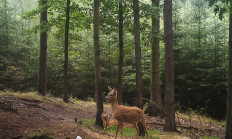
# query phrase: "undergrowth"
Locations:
[[41, 133], [127, 131]]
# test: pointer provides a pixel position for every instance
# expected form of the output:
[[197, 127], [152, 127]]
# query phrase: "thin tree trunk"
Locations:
[[169, 68], [109, 59], [66, 54], [229, 93], [199, 26], [155, 62], [120, 63], [98, 93], [138, 64], [6, 19], [42, 87]]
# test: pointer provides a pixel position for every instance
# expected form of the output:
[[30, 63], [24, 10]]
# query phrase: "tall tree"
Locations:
[[120, 63], [138, 64], [229, 93], [155, 62], [98, 89], [66, 84], [42, 87], [169, 68]]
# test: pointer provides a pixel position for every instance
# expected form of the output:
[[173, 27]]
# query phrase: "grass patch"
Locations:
[[127, 131], [204, 137], [37, 97], [130, 132], [84, 121], [42, 133]]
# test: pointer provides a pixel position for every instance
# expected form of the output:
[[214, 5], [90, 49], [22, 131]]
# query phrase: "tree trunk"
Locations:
[[42, 87], [138, 65], [120, 63], [66, 54], [98, 93], [169, 68], [155, 62], [229, 93], [6, 23]]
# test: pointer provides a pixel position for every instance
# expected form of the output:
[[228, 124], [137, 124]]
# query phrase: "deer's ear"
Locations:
[[110, 89], [115, 91]]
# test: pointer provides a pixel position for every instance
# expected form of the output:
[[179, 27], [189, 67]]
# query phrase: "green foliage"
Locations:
[[18, 52], [221, 7], [200, 47], [200, 58]]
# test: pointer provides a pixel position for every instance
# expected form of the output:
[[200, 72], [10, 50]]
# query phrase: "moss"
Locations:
[[7, 107], [41, 133]]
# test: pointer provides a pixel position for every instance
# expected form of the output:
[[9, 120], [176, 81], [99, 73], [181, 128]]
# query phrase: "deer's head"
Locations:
[[112, 95]]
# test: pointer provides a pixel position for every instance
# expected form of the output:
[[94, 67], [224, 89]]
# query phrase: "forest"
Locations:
[[170, 55]]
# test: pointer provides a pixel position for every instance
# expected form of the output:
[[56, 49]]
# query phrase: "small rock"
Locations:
[[78, 137]]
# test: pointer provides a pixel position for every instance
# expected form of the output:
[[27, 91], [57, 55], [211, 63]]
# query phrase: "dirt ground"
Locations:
[[30, 115], [23, 117]]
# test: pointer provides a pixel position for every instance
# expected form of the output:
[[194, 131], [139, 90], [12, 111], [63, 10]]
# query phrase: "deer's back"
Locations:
[[128, 114]]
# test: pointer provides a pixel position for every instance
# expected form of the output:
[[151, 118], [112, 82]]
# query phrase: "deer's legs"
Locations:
[[104, 123], [121, 129], [117, 129], [108, 123], [137, 129]]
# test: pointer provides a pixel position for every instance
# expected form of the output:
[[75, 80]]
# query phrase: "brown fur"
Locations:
[[121, 113], [105, 118]]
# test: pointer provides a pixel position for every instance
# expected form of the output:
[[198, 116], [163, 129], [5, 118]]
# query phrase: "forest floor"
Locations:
[[29, 115]]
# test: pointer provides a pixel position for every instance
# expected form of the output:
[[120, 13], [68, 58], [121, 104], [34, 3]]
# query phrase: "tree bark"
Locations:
[[169, 68], [120, 63], [42, 87], [6, 23], [66, 54], [98, 93], [155, 62], [138, 64], [229, 93]]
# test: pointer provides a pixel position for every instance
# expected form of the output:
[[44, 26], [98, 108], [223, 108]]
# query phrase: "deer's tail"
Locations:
[[143, 122]]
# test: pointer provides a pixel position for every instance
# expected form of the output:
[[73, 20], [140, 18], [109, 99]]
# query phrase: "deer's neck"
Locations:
[[114, 105]]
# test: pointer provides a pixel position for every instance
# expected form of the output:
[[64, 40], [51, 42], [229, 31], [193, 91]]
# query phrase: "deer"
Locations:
[[121, 113], [105, 118]]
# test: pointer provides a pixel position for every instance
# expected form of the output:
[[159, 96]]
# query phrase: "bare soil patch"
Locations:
[[33, 116]]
